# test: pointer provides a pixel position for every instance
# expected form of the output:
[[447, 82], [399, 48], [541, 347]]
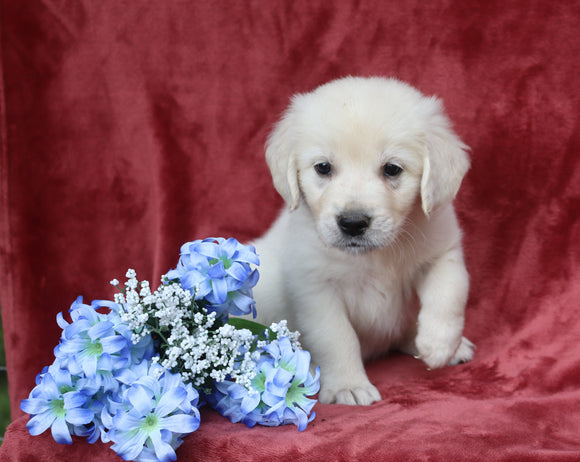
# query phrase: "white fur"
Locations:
[[400, 285]]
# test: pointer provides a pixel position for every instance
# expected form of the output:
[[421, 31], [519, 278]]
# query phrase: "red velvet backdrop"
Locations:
[[131, 127]]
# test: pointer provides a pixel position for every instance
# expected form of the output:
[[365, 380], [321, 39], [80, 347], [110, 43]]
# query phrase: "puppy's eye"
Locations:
[[323, 168], [392, 170]]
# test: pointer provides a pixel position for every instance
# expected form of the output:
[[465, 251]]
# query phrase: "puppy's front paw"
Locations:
[[362, 394], [445, 354], [440, 346], [464, 353]]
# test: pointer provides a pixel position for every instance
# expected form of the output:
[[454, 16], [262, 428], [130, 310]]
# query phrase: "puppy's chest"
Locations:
[[380, 304]]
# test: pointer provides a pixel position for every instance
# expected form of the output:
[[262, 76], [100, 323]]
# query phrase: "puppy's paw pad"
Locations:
[[358, 395], [464, 353]]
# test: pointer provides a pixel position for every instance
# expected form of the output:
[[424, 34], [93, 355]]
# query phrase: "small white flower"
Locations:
[[192, 343]]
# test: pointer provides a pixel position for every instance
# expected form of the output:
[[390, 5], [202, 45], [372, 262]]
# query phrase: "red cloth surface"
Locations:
[[129, 128]]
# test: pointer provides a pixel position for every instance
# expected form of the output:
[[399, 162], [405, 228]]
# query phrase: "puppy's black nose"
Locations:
[[353, 223]]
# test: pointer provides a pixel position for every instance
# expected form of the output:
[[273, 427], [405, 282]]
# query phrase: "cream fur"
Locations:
[[400, 284]]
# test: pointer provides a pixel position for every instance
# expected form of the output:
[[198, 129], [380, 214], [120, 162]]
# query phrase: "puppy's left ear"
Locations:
[[281, 158], [445, 163]]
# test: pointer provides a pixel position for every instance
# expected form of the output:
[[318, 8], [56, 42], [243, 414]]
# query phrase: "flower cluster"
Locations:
[[87, 389], [279, 391], [189, 339], [133, 371], [151, 414], [218, 272]]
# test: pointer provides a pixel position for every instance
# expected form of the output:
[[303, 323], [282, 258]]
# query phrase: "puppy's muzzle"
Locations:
[[353, 223]]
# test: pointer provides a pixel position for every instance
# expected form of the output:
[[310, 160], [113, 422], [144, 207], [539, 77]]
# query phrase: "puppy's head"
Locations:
[[360, 153]]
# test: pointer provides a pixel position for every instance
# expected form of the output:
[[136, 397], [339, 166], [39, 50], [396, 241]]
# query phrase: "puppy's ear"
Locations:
[[281, 159], [445, 162]]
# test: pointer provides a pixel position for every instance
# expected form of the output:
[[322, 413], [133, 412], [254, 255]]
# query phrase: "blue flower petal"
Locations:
[[174, 274], [115, 307], [203, 289], [74, 399], [73, 345], [50, 387], [163, 451], [194, 277], [150, 383], [170, 401], [40, 422], [113, 343], [275, 402], [280, 376], [298, 416], [223, 387], [94, 434], [250, 402], [247, 254], [312, 385], [60, 431], [125, 422], [62, 323], [78, 303], [108, 382], [220, 290], [129, 448], [242, 304], [79, 416], [206, 248], [238, 271], [188, 281], [171, 380], [34, 405], [217, 271], [76, 328], [302, 366], [184, 250], [252, 279], [180, 423], [99, 330], [89, 365], [140, 399], [237, 391]]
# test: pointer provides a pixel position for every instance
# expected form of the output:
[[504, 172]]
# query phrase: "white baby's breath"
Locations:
[[280, 330], [191, 340]]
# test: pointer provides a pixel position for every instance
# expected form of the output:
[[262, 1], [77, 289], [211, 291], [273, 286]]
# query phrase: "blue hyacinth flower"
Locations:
[[280, 390], [149, 417], [287, 383], [56, 403], [218, 271], [91, 342]]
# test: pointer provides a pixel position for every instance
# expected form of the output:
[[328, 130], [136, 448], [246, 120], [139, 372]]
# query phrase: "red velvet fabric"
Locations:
[[131, 127]]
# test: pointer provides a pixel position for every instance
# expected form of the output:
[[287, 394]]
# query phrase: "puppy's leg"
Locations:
[[443, 292], [335, 347]]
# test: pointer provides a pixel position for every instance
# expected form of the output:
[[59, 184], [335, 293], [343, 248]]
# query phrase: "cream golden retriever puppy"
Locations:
[[367, 257]]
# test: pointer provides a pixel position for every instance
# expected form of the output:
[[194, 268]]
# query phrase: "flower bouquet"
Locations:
[[134, 371]]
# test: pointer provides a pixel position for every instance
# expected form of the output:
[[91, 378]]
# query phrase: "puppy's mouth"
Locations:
[[356, 245]]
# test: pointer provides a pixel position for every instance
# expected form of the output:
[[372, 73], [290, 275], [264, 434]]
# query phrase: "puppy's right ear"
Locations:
[[446, 160], [281, 159]]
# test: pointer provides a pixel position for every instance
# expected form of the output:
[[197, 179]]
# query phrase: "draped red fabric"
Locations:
[[129, 128]]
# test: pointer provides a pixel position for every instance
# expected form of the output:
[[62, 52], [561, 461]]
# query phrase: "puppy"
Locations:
[[367, 258]]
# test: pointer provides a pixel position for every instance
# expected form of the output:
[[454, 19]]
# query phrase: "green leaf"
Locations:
[[254, 327]]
